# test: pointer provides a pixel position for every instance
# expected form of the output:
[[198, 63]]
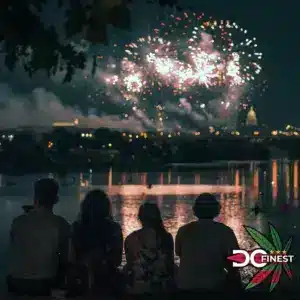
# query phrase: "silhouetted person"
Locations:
[[203, 247], [39, 244], [98, 244], [149, 254]]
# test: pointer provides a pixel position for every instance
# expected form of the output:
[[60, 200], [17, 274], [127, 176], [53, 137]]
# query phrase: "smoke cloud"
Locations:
[[42, 108]]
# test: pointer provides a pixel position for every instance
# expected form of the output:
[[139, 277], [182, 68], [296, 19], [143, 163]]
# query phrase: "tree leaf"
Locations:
[[288, 245], [275, 237], [260, 276], [260, 239], [287, 270], [276, 277]]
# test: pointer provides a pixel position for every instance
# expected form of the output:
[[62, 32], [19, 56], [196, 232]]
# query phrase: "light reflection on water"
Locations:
[[274, 188]]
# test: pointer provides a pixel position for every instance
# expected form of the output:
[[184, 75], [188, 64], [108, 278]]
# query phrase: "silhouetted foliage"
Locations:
[[26, 40]]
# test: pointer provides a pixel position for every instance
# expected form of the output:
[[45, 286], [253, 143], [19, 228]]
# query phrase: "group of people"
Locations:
[[47, 253]]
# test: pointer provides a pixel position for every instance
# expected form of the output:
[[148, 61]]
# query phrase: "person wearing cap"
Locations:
[[203, 247], [39, 244]]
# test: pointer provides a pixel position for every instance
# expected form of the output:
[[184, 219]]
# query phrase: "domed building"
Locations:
[[251, 117], [249, 126]]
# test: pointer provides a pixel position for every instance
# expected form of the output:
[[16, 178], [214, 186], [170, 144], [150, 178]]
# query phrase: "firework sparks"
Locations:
[[133, 83], [186, 56]]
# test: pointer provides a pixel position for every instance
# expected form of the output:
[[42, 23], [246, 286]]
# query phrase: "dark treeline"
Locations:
[[28, 151]]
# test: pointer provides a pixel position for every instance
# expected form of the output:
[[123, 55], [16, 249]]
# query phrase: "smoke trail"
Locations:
[[41, 108]]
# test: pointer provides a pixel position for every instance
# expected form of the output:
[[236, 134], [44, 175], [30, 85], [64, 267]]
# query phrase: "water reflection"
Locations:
[[235, 216], [274, 181], [296, 182], [129, 212], [256, 183]]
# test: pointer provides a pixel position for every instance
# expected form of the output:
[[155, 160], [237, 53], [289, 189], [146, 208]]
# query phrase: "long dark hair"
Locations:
[[94, 225], [95, 208], [150, 216]]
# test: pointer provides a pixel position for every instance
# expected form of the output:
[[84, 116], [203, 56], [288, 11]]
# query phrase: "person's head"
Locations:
[[150, 217], [206, 206], [46, 193], [95, 207]]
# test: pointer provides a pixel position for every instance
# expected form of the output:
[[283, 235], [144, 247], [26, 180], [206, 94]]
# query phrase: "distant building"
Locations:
[[249, 125], [159, 118], [251, 118], [66, 124], [63, 124]]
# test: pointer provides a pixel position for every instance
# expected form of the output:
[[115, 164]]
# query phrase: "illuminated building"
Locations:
[[251, 118], [159, 118], [63, 124], [66, 124]]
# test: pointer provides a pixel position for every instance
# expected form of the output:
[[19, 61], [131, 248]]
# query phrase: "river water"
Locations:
[[274, 186]]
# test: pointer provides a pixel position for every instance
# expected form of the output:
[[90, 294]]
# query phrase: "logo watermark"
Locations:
[[272, 257]]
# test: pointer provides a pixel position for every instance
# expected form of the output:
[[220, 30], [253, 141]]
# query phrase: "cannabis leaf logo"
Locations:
[[272, 246]]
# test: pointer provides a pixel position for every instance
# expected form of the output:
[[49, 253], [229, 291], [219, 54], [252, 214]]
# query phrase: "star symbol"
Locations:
[[271, 252], [278, 252], [284, 252]]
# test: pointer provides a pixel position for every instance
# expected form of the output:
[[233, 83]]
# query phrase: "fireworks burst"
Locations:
[[206, 61]]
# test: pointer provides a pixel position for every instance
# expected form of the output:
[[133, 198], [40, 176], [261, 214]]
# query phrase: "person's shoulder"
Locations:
[[133, 235], [187, 227], [116, 225], [224, 228], [19, 219], [117, 230], [75, 229], [75, 225], [62, 222], [61, 219], [169, 235]]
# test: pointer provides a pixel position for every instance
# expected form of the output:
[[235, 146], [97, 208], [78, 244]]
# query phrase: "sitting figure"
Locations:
[[39, 245], [203, 247], [97, 242], [149, 254]]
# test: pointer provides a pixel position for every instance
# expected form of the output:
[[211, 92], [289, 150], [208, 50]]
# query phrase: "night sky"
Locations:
[[273, 23]]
